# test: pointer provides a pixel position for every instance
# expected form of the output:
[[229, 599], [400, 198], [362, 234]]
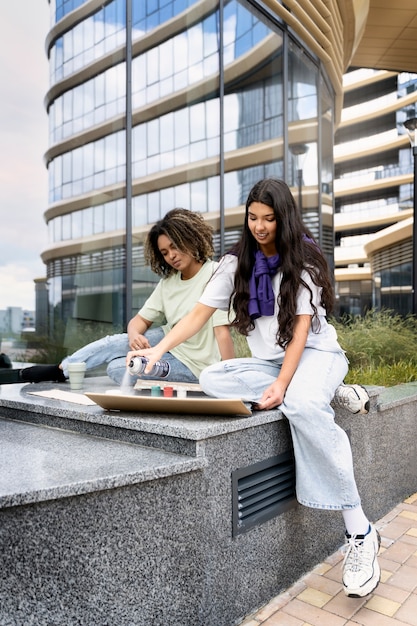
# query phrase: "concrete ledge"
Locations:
[[38, 463], [112, 528], [173, 433]]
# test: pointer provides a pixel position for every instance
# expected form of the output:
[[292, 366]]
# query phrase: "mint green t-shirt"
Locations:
[[170, 301]]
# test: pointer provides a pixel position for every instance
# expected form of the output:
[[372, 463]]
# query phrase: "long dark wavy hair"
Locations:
[[187, 230], [298, 251]]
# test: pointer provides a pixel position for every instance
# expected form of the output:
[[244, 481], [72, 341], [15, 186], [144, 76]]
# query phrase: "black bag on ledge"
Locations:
[[5, 362]]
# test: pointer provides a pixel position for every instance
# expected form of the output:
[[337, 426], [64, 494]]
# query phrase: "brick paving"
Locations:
[[318, 599]]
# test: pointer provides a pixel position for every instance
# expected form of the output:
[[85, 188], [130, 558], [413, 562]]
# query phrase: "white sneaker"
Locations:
[[352, 397], [361, 571]]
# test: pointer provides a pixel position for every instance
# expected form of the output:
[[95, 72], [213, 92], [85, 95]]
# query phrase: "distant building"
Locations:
[[14, 320], [42, 306], [374, 192]]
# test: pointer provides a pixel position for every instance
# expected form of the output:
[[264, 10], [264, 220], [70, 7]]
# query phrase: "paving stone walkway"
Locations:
[[317, 599]]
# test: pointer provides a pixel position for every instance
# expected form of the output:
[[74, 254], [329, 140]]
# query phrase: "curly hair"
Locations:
[[298, 252], [187, 230]]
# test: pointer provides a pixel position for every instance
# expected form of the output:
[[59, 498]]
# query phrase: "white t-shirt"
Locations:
[[170, 301], [262, 339]]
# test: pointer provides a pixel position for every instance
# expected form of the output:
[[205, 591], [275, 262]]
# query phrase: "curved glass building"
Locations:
[[374, 192], [156, 104]]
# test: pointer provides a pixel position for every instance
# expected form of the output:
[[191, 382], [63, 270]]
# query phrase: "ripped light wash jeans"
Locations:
[[323, 456], [113, 349]]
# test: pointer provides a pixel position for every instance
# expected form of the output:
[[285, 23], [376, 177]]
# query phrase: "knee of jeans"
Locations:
[[116, 370], [305, 407], [208, 378], [115, 339]]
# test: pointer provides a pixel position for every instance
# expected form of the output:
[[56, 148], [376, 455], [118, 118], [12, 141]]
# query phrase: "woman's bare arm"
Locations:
[[225, 342], [184, 329], [135, 332], [274, 395]]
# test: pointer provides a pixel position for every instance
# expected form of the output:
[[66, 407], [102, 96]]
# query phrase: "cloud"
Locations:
[[17, 279], [24, 140]]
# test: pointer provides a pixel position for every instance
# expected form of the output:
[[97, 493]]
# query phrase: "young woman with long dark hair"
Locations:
[[277, 282]]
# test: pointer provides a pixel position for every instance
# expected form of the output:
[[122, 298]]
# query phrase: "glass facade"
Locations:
[[214, 97], [354, 297], [375, 189]]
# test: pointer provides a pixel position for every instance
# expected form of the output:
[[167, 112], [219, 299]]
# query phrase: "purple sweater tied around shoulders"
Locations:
[[261, 294]]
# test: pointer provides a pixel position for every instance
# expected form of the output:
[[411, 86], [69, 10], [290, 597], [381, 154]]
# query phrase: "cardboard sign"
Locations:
[[182, 406]]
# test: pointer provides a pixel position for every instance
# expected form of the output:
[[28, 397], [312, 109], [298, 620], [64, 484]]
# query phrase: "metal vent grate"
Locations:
[[262, 491]]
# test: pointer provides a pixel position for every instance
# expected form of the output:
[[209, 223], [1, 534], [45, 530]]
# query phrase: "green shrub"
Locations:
[[381, 347], [385, 375], [378, 338], [241, 345]]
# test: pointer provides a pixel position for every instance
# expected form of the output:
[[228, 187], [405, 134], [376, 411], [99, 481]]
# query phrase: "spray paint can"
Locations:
[[137, 366]]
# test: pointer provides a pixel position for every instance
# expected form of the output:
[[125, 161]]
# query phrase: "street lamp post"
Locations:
[[298, 150], [411, 127], [300, 188]]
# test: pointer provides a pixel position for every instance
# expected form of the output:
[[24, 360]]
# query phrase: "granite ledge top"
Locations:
[[39, 463], [390, 397], [195, 428]]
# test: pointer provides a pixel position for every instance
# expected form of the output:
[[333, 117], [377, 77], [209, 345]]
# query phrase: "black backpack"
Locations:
[[5, 362]]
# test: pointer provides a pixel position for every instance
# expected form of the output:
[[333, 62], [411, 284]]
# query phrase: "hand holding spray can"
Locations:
[[137, 366]]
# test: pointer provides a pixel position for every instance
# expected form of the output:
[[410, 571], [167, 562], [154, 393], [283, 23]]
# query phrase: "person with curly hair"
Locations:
[[278, 284], [179, 249]]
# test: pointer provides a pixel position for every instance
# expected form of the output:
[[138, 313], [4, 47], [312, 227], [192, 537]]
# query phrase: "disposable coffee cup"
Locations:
[[76, 372]]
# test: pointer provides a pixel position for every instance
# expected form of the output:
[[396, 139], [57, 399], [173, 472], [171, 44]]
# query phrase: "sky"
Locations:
[[23, 142]]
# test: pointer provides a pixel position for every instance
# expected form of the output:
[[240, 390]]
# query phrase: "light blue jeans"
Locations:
[[323, 456], [113, 349]]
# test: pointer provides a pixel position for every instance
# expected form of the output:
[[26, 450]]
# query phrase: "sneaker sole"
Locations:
[[366, 590], [372, 583], [366, 407]]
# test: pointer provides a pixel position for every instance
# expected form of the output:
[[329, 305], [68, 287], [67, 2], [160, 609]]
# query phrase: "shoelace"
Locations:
[[342, 400], [343, 397], [357, 555]]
